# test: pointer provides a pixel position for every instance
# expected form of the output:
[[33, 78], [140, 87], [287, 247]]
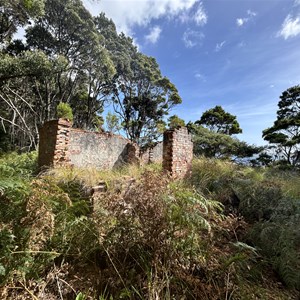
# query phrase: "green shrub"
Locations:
[[64, 110]]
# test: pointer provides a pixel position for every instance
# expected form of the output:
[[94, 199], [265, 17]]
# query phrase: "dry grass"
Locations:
[[90, 176]]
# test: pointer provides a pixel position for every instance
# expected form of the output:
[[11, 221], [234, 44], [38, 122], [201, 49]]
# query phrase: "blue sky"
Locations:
[[236, 53]]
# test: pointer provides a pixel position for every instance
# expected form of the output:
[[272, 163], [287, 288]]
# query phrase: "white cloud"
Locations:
[[192, 38], [200, 77], [297, 2], [154, 35], [251, 13], [127, 14], [241, 21], [290, 27], [220, 46], [196, 14], [200, 16]]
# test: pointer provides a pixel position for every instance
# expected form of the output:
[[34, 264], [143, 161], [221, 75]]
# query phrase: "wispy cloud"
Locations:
[[290, 27], [200, 16], [200, 77], [297, 2], [154, 35], [250, 15], [192, 38], [219, 46], [196, 15]]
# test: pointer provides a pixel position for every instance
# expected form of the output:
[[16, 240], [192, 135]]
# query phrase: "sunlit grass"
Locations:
[[92, 176]]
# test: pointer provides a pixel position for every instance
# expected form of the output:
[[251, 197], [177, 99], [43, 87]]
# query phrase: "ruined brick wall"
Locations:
[[153, 154], [177, 152], [62, 145], [99, 150], [53, 143]]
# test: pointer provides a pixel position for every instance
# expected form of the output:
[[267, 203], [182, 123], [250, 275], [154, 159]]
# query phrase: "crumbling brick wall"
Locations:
[[153, 154], [100, 150], [53, 143], [60, 144], [177, 152]]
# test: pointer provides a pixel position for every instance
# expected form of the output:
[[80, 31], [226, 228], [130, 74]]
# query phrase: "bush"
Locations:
[[64, 110]]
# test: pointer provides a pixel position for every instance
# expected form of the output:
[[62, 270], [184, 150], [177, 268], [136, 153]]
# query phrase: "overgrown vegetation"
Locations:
[[219, 235]]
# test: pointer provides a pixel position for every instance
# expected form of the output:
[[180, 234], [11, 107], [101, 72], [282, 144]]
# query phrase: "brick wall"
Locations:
[[177, 152], [53, 143], [153, 154], [60, 144], [100, 150]]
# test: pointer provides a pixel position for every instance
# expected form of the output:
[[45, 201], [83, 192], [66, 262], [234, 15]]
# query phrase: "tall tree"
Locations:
[[68, 29], [15, 13], [217, 120], [142, 97], [285, 132]]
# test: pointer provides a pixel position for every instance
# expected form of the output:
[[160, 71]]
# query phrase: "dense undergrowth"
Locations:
[[229, 232]]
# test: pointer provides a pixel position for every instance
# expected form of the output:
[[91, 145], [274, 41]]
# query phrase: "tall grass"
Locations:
[[267, 198], [147, 238]]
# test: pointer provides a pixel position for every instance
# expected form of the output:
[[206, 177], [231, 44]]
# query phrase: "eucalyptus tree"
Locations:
[[64, 60], [21, 111], [68, 29], [285, 132], [141, 96], [17, 13]]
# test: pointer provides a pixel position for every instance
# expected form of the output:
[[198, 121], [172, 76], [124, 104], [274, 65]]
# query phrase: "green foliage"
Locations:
[[174, 121], [151, 239], [219, 145], [112, 123], [217, 120], [285, 133], [267, 199], [29, 63], [15, 172], [153, 229], [17, 13], [142, 96], [64, 110]]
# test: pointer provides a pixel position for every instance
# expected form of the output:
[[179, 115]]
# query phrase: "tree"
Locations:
[[112, 123], [285, 132], [174, 121], [219, 145], [142, 97], [15, 13], [69, 30], [217, 120], [64, 111]]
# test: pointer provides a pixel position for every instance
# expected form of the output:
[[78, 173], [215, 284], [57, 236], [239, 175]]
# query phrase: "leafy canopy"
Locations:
[[285, 132], [174, 121], [217, 120], [219, 145]]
